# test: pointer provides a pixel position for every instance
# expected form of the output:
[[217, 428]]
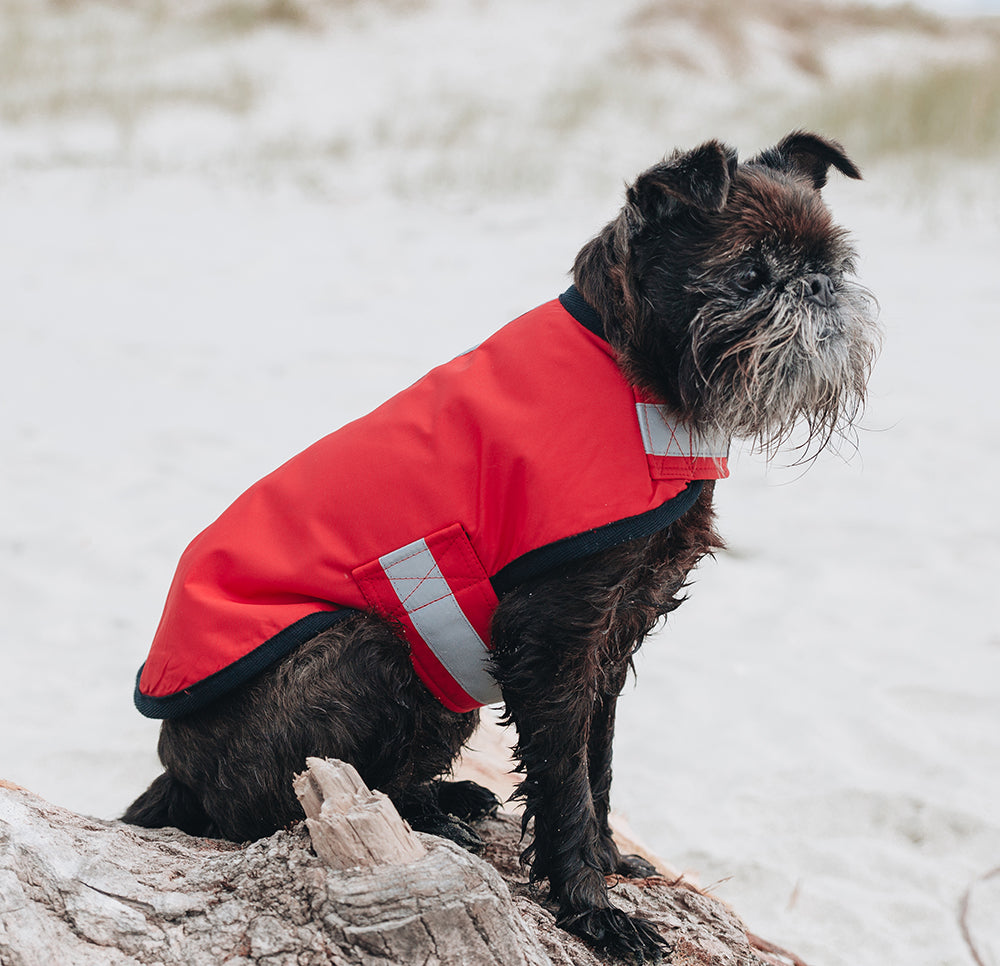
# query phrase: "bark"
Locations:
[[86, 892]]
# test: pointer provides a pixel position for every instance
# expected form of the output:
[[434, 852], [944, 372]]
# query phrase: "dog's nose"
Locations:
[[819, 289]]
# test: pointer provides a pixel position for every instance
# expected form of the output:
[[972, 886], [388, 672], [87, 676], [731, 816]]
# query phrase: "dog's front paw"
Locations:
[[467, 800], [628, 937]]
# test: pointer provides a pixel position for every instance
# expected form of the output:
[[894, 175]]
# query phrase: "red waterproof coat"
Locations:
[[528, 451]]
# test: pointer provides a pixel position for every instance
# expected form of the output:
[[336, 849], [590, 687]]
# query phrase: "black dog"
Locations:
[[717, 304]]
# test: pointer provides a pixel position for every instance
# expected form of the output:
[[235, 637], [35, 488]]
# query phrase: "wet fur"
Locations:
[[738, 362], [669, 278], [563, 646]]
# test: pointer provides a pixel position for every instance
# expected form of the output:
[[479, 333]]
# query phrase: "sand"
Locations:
[[195, 288]]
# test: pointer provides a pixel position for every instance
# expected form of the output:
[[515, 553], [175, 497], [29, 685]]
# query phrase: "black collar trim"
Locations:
[[574, 303]]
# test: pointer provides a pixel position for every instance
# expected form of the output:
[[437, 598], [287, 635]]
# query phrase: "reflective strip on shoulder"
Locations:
[[664, 434], [438, 618]]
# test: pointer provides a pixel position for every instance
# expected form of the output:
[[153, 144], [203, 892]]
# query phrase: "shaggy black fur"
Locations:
[[563, 645], [724, 289]]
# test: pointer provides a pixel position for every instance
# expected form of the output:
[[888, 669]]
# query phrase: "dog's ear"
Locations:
[[808, 155], [698, 178]]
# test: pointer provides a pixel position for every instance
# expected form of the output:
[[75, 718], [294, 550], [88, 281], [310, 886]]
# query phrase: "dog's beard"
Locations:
[[761, 369]]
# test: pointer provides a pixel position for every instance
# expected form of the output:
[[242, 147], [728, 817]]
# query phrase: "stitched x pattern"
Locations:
[[415, 576], [663, 435]]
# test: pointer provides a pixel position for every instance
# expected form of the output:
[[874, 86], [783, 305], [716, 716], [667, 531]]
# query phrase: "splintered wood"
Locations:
[[89, 892], [350, 825]]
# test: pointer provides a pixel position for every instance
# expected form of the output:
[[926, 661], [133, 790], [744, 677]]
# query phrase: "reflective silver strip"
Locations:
[[439, 620], [663, 434]]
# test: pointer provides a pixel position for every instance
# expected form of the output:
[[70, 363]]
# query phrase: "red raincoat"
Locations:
[[524, 453]]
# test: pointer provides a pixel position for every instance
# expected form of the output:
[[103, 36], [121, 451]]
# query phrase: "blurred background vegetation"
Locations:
[[88, 82]]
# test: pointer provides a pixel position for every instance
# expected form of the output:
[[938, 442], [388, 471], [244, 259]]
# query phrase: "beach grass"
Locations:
[[950, 110]]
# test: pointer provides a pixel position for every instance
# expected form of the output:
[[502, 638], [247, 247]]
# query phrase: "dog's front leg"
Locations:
[[602, 730], [550, 693]]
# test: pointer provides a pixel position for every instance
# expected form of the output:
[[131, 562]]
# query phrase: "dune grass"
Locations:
[[241, 16], [935, 105], [733, 29], [64, 62], [951, 110], [68, 59]]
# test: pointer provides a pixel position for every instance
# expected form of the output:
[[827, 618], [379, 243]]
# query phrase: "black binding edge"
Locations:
[[240, 671], [581, 310], [536, 562], [532, 564]]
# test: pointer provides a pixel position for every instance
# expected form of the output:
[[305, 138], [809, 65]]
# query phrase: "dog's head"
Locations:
[[728, 291]]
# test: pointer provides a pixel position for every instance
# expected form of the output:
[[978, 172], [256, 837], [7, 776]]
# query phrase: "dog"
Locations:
[[512, 527]]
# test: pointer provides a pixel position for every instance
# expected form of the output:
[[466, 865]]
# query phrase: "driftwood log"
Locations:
[[86, 892], [350, 826]]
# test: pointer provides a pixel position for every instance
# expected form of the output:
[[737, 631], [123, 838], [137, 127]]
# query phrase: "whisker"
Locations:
[[787, 365]]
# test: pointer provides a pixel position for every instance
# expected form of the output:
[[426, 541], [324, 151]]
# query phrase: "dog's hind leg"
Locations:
[[466, 800], [421, 807], [349, 693], [169, 803], [446, 808]]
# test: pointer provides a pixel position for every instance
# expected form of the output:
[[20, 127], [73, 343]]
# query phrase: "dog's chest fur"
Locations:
[[610, 600]]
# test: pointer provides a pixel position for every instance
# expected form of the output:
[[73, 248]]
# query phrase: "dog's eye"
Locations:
[[751, 279]]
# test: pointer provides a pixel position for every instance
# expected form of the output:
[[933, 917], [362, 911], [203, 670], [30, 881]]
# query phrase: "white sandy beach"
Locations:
[[237, 238]]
